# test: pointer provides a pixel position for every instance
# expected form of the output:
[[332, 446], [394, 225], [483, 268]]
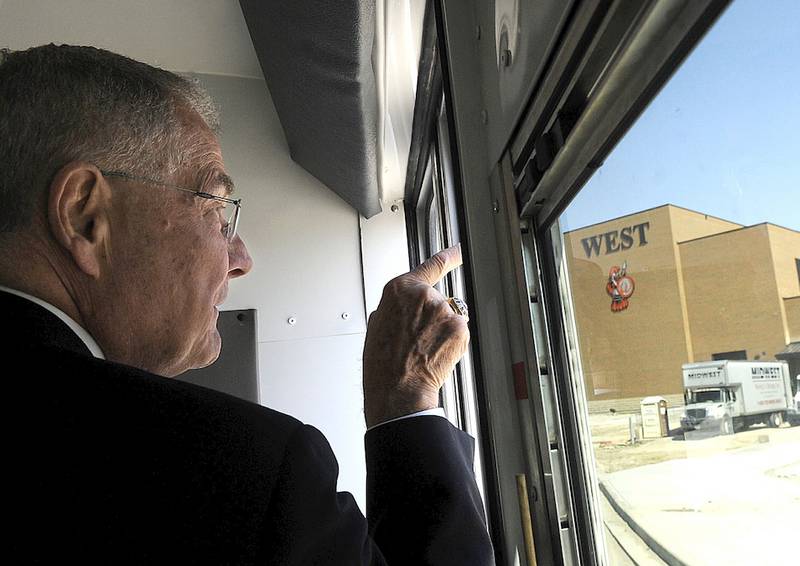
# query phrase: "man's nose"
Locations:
[[239, 261]]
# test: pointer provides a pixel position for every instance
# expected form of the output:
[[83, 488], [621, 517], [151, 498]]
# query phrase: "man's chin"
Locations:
[[211, 351], [208, 362], [203, 354]]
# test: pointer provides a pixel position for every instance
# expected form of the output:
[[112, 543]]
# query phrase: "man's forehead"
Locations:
[[206, 154]]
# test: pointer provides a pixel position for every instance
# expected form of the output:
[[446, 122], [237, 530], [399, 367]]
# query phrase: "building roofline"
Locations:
[[793, 297], [737, 230], [782, 227], [706, 215], [649, 210]]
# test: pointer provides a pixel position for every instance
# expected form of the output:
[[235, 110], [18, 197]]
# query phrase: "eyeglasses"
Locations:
[[230, 217]]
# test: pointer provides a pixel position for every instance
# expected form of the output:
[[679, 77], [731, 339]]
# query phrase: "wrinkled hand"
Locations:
[[413, 342]]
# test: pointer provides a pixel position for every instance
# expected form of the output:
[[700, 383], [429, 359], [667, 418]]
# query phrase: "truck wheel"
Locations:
[[726, 426], [775, 420]]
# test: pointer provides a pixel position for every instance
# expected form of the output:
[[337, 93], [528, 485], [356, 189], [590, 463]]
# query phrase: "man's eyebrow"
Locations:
[[225, 180]]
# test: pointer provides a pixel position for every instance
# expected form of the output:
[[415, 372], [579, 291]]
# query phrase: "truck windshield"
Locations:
[[706, 396]]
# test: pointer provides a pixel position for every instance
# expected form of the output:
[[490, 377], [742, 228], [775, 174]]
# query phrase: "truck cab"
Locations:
[[710, 408]]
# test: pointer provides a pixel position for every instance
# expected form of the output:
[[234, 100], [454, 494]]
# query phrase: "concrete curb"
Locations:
[[654, 545]]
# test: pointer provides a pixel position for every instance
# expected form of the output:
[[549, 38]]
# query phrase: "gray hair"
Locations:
[[62, 103]]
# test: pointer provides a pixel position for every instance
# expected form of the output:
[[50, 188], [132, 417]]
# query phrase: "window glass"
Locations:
[[438, 228], [681, 253]]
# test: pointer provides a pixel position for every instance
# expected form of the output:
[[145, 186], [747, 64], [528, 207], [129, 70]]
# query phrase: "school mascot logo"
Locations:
[[620, 286]]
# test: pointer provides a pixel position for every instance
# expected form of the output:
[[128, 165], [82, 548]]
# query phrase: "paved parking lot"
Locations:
[[718, 500]]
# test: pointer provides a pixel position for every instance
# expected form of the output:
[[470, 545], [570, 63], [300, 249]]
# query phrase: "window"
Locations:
[[576, 326], [735, 355], [432, 223], [679, 254], [437, 226]]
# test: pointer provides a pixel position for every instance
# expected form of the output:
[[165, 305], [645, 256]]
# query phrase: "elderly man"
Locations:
[[117, 243]]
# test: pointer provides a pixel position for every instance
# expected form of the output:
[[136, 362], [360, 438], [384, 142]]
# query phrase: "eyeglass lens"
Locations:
[[232, 221]]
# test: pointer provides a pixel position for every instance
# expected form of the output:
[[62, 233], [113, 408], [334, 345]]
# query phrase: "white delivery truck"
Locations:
[[729, 395]]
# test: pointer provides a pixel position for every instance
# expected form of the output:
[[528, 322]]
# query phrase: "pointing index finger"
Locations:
[[433, 270]]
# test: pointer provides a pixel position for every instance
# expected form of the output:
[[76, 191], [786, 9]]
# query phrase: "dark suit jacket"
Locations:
[[110, 464]]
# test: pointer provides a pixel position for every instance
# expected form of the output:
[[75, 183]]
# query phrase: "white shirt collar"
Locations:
[[85, 337]]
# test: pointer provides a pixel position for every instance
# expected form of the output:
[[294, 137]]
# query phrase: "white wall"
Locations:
[[384, 252], [304, 239], [305, 245], [199, 36]]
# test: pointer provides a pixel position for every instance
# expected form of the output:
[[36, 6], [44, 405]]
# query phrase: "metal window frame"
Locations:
[[516, 433], [425, 183], [577, 113], [657, 40], [428, 93]]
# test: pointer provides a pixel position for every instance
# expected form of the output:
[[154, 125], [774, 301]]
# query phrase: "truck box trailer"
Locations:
[[729, 395]]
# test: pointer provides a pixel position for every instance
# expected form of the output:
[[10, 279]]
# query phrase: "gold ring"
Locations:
[[459, 306]]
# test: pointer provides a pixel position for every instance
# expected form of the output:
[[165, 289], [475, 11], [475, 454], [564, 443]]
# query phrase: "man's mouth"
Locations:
[[221, 301]]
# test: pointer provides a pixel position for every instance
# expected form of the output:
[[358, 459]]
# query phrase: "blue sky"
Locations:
[[723, 136]]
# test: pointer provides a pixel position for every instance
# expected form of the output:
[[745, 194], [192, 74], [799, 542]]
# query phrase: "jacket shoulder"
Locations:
[[87, 389]]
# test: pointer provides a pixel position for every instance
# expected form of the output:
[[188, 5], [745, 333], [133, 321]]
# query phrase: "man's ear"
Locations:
[[77, 211]]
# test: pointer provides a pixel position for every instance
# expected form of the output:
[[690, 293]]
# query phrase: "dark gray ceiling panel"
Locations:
[[317, 59]]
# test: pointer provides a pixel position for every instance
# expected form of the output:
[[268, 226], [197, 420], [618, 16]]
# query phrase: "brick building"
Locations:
[[667, 286]]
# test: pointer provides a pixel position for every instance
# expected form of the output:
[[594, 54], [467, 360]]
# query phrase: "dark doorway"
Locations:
[[735, 355]]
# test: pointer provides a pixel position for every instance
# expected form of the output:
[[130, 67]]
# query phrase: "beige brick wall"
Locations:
[[732, 295], [703, 286], [785, 248], [638, 351], [792, 308], [690, 225]]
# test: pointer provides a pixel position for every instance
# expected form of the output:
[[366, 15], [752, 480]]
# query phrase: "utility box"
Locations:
[[655, 421]]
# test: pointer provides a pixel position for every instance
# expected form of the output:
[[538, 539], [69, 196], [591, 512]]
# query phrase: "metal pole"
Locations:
[[632, 430], [525, 516]]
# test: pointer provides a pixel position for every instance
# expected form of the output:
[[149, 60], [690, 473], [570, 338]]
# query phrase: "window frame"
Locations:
[[527, 195], [544, 187], [428, 192]]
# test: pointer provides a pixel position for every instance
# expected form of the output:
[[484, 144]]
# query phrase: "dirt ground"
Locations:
[[614, 451]]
